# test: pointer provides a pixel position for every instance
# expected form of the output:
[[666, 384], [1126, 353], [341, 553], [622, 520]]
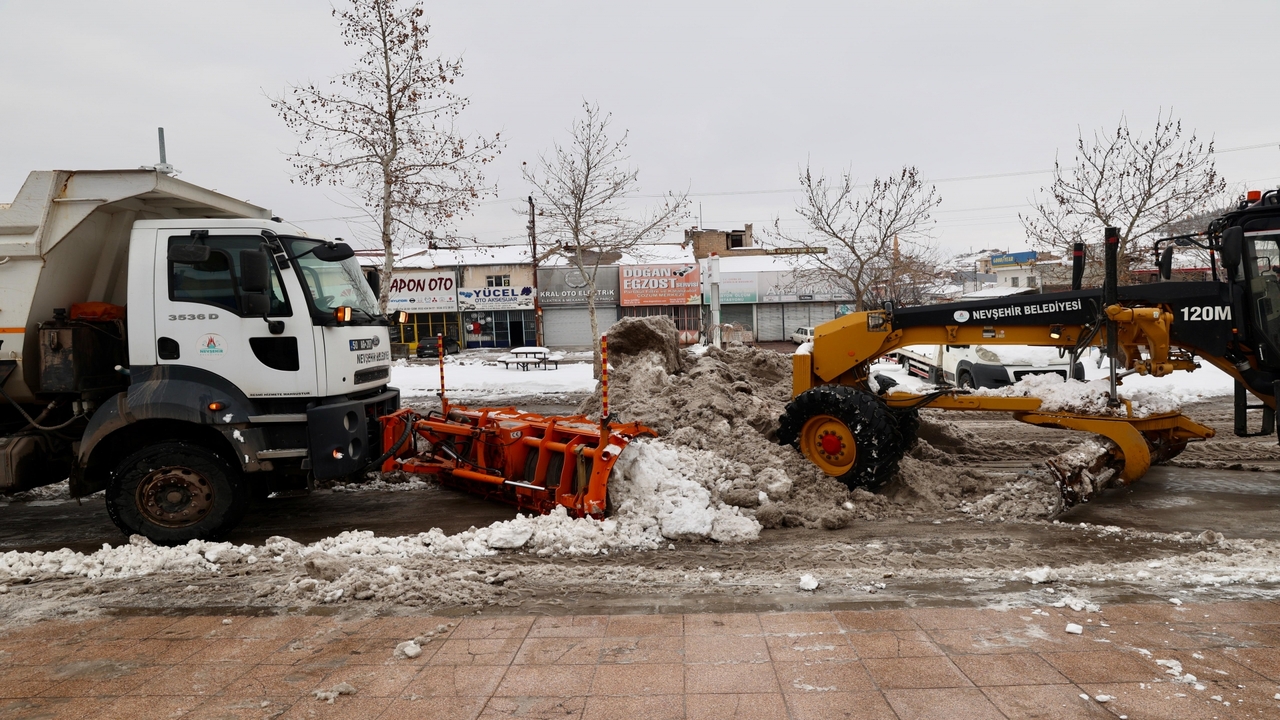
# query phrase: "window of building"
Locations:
[[737, 239], [498, 280], [1031, 281], [686, 317], [1013, 281], [214, 281]]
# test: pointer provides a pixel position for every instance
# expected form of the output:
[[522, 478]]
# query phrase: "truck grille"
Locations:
[[365, 376], [1019, 374]]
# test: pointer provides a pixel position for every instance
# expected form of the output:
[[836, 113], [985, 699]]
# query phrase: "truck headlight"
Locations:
[[986, 355]]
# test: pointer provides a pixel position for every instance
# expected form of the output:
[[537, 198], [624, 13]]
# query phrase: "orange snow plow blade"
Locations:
[[532, 461]]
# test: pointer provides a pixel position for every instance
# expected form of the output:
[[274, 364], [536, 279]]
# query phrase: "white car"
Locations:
[[984, 366], [802, 335]]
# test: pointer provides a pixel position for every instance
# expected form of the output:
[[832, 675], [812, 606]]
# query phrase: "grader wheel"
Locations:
[[848, 433]]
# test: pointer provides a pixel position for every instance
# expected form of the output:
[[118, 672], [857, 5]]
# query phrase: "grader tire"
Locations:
[[908, 428], [849, 434]]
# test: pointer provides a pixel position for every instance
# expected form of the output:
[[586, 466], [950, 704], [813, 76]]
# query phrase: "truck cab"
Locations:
[[182, 351]]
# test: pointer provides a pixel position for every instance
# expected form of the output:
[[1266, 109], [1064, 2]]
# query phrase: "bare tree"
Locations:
[[870, 239], [385, 128], [581, 191], [1143, 186]]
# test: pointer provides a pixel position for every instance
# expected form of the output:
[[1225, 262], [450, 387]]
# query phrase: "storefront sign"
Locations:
[[737, 288], [1011, 259], [659, 284], [422, 291], [567, 287], [495, 298]]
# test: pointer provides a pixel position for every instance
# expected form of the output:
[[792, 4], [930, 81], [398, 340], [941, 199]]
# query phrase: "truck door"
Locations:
[[201, 323]]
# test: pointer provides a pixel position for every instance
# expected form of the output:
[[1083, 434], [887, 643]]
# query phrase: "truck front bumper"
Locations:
[[344, 437]]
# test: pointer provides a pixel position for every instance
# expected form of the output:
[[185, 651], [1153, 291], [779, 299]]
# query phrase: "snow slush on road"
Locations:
[[687, 510]]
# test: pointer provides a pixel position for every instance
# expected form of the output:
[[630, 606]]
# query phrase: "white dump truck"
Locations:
[[181, 350], [981, 366]]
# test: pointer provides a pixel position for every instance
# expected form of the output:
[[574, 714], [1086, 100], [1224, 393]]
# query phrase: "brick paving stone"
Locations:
[[646, 707], [569, 626], [899, 643], [839, 706], [799, 622], [645, 625], [722, 624], [915, 673], [898, 664], [546, 680], [451, 680], [1045, 702], [822, 647], [559, 651], [801, 677], [875, 620], [1007, 669], [491, 628], [645, 679], [717, 649], [741, 678], [538, 707], [1104, 666], [646, 649], [728, 706], [436, 708], [928, 704]]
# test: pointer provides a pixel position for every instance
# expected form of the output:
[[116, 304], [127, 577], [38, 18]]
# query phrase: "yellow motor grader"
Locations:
[[855, 427]]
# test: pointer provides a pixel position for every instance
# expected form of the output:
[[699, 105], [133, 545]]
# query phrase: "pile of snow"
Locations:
[[1061, 395]]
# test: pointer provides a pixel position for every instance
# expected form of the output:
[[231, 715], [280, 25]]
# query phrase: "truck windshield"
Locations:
[[333, 284]]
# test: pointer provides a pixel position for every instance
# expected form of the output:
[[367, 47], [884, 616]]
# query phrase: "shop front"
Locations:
[[431, 299], [665, 289], [563, 294], [497, 316]]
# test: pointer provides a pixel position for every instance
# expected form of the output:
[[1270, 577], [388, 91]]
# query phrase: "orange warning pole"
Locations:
[[604, 390], [444, 402]]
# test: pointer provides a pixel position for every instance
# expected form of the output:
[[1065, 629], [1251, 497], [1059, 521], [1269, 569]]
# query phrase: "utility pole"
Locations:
[[537, 305]]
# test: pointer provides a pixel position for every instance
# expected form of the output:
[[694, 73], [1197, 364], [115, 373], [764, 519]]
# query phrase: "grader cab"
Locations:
[[856, 427]]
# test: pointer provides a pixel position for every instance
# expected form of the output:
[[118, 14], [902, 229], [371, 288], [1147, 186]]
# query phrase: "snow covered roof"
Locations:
[[996, 292]]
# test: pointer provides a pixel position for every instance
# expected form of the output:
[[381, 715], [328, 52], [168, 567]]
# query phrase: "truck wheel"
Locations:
[[174, 492], [965, 380], [849, 434]]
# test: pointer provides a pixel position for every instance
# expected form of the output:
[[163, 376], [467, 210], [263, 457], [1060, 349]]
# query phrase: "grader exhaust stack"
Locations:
[[535, 462]]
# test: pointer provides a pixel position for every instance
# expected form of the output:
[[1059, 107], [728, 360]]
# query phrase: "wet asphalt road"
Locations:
[[1239, 504]]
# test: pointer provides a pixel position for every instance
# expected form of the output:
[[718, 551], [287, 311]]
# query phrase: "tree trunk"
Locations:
[[389, 258], [595, 325]]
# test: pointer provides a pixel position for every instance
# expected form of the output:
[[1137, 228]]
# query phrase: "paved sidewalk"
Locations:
[[923, 663]]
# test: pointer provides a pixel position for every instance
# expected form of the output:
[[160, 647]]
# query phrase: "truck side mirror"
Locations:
[[255, 271], [375, 281], [333, 252], [1166, 263], [254, 303], [189, 254], [1232, 250]]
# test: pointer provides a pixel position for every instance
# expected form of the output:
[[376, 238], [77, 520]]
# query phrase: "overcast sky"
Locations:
[[723, 99]]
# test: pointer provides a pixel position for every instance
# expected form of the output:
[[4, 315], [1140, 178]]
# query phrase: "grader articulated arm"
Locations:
[[853, 429]]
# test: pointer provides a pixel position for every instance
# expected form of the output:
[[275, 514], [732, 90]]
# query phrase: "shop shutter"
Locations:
[[821, 312], [794, 315], [769, 319]]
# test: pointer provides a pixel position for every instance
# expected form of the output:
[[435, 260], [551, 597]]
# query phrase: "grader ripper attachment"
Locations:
[[532, 461], [856, 428]]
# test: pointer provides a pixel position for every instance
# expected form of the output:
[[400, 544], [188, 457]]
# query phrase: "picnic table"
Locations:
[[531, 357]]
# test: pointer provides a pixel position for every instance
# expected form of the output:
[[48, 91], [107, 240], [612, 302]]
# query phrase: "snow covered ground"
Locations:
[[466, 375]]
